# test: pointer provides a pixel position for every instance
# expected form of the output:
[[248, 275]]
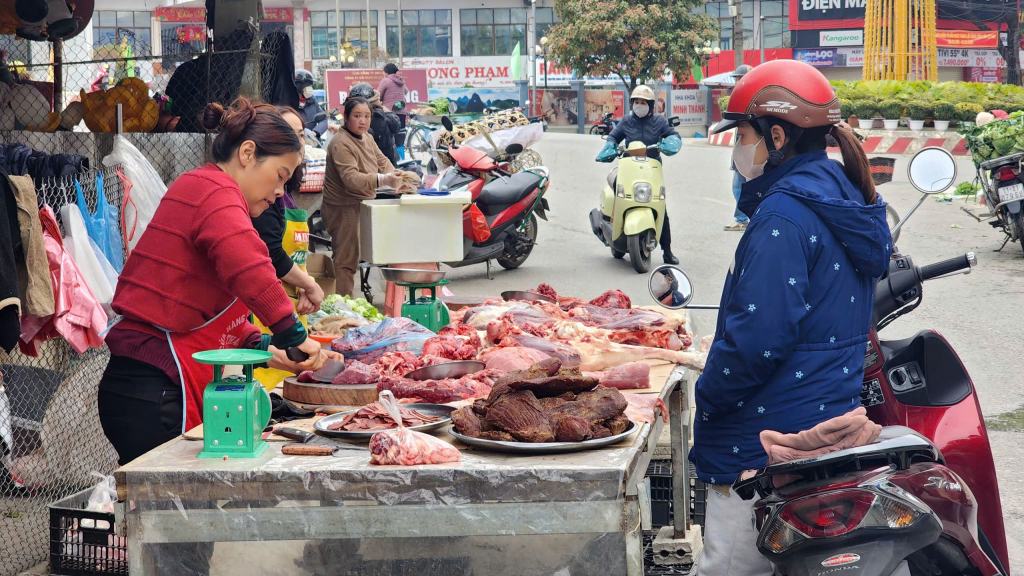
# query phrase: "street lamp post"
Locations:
[[544, 51]]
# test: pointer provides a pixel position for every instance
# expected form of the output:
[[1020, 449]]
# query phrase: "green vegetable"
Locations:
[[338, 304], [966, 189]]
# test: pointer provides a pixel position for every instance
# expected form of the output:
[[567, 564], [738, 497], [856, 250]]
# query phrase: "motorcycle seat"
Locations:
[[896, 444], [504, 191]]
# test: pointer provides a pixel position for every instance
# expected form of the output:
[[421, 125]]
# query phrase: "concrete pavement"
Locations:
[[979, 313]]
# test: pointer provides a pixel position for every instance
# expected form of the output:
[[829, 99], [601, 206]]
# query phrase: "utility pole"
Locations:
[[736, 10], [401, 51], [369, 39], [1011, 51], [337, 30], [532, 41], [760, 39]]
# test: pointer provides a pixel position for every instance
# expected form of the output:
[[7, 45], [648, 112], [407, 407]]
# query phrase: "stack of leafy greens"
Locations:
[[996, 139]]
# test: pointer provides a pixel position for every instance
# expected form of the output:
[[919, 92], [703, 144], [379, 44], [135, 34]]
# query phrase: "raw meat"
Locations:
[[476, 385], [519, 414], [629, 376], [306, 377], [598, 355], [613, 299], [512, 358], [404, 447], [376, 417], [356, 372], [643, 408], [457, 341], [398, 363], [545, 289]]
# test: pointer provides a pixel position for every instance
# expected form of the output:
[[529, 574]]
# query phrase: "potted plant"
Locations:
[[918, 110], [848, 110], [866, 111], [892, 111], [944, 113]]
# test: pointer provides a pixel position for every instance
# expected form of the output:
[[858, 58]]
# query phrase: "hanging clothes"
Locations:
[[35, 283], [10, 301], [78, 317]]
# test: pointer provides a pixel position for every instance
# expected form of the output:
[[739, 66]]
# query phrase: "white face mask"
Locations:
[[743, 160], [307, 92], [641, 109]]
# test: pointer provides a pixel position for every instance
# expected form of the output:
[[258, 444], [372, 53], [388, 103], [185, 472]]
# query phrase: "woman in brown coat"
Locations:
[[356, 169]]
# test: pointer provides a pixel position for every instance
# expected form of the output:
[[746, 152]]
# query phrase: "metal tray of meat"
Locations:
[[322, 425], [527, 448]]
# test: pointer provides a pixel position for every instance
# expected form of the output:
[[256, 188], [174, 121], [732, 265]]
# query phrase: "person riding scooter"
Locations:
[[643, 125], [313, 116], [795, 314]]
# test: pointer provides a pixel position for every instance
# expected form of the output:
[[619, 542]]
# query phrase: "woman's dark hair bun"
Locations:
[[212, 116], [246, 120], [233, 119]]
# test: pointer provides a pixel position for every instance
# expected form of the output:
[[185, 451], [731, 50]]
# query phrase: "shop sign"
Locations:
[[475, 71], [993, 75], [277, 15], [173, 14], [815, 56], [841, 38], [831, 9], [689, 106], [850, 57], [338, 82], [960, 58], [966, 38]]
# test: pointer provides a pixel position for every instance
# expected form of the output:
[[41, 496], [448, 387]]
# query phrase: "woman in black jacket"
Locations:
[[383, 124]]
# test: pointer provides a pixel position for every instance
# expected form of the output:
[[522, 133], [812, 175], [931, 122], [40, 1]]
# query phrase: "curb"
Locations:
[[886, 141]]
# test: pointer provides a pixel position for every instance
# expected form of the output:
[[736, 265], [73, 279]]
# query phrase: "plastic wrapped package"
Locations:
[[367, 343], [404, 447], [143, 188]]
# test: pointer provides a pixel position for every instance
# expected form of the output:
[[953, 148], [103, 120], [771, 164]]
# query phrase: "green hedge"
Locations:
[[922, 100]]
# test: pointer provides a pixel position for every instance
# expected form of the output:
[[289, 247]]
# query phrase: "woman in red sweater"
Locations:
[[191, 281]]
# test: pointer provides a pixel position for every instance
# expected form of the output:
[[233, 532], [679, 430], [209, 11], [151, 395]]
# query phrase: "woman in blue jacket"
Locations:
[[796, 307]]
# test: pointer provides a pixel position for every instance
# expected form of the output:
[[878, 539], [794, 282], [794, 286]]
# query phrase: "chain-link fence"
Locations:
[[66, 103]]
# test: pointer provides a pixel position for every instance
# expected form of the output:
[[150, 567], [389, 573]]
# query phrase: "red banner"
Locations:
[[338, 82], [966, 38], [172, 14], [278, 15], [187, 34]]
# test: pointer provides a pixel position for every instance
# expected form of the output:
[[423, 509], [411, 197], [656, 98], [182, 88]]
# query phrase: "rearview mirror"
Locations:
[[447, 123], [670, 287], [932, 170], [513, 149], [674, 121]]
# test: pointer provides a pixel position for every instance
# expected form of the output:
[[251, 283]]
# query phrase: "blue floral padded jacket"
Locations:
[[795, 314]]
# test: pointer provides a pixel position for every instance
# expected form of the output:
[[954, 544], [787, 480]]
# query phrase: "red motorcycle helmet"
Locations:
[[788, 90]]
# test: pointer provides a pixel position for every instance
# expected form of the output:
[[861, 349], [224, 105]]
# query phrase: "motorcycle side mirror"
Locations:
[[513, 149], [674, 121], [447, 123], [670, 287], [320, 117], [932, 170]]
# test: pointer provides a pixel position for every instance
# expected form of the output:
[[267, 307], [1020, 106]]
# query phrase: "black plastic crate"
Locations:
[[83, 543], [659, 472]]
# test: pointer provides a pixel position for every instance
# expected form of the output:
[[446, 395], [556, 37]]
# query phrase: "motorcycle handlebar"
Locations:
[[949, 266]]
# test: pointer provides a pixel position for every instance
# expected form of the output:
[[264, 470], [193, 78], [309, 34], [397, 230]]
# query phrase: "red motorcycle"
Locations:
[[924, 499], [501, 222]]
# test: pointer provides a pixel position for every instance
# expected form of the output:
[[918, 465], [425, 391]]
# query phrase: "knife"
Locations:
[[300, 436]]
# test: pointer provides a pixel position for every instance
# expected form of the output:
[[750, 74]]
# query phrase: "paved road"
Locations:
[[980, 313]]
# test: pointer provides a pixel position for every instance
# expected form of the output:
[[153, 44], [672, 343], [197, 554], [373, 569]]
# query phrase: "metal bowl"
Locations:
[[412, 276], [456, 369], [526, 296]]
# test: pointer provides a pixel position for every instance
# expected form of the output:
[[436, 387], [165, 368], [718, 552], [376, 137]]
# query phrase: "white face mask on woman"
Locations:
[[743, 160], [641, 109], [307, 92]]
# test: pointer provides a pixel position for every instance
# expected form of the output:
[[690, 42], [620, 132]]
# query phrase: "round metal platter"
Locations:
[[322, 425], [542, 447]]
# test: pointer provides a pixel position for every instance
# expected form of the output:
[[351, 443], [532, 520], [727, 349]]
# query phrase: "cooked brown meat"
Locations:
[[602, 403], [617, 425], [480, 407], [497, 391], [497, 435], [601, 432], [549, 404], [569, 428], [546, 367], [466, 421], [555, 385], [519, 414]]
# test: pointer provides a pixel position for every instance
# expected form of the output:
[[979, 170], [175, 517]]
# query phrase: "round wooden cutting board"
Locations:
[[329, 394]]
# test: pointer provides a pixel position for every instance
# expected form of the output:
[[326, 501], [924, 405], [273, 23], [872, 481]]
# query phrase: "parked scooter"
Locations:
[[632, 205], [604, 126], [1002, 180], [501, 222], [906, 504]]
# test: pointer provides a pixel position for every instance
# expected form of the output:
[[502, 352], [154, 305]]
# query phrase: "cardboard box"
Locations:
[[321, 268]]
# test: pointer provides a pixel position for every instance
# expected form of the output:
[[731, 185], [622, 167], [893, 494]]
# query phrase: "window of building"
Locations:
[[495, 31], [324, 30], [776, 31], [424, 33], [111, 27]]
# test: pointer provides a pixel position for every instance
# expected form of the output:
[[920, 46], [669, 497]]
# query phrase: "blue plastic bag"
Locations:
[[103, 225], [367, 343]]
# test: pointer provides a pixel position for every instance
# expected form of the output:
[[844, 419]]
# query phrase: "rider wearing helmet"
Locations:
[[643, 125], [313, 116], [788, 352], [384, 125]]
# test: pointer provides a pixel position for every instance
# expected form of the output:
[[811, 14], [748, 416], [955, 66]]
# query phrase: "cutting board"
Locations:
[[333, 394]]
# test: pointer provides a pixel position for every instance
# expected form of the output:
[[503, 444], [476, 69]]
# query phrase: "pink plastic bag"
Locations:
[[404, 447]]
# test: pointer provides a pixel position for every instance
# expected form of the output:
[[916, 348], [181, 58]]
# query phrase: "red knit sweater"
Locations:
[[198, 253]]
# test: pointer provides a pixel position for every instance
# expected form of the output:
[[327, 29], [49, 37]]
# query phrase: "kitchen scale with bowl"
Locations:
[[423, 305], [236, 409]]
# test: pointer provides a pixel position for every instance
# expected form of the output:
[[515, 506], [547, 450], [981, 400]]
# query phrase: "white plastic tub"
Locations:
[[412, 228]]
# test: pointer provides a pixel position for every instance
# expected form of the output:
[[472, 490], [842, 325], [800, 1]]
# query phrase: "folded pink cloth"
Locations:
[[847, 431]]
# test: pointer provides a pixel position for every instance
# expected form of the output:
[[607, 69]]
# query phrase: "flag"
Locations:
[[517, 63], [697, 73]]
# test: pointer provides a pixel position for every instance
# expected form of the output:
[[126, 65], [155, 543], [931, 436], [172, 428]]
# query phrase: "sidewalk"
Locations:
[[887, 141]]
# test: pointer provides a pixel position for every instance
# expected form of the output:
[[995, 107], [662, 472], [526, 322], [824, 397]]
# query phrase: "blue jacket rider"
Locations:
[[643, 125]]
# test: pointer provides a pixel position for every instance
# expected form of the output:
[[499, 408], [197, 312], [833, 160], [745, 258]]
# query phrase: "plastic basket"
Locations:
[[660, 474], [83, 543]]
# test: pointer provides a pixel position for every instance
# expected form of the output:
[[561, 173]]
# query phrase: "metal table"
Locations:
[[495, 514]]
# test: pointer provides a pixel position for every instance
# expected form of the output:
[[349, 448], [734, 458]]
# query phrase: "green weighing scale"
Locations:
[[427, 310], [236, 409]]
